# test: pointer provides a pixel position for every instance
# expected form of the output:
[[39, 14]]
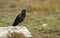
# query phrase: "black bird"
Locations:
[[20, 18]]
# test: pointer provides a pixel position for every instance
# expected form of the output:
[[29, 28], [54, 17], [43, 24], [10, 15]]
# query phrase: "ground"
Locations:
[[39, 12]]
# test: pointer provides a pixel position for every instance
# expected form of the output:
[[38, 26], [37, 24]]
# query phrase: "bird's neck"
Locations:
[[23, 14]]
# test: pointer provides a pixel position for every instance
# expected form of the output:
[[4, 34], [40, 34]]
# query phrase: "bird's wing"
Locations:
[[19, 16]]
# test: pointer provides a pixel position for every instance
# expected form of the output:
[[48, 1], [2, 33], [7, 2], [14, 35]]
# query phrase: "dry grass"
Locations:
[[38, 13]]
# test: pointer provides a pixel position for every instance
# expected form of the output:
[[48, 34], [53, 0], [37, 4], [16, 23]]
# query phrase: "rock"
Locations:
[[7, 31]]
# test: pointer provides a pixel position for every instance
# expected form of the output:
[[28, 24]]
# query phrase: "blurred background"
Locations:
[[42, 17]]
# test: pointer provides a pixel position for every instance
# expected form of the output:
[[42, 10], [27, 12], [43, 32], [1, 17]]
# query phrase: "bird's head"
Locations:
[[23, 11]]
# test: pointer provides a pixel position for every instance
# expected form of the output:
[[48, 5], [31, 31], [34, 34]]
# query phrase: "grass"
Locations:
[[38, 13]]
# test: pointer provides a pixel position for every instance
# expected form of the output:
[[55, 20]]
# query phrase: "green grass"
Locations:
[[38, 13]]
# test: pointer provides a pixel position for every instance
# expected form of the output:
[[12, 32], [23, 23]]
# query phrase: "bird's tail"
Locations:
[[14, 24]]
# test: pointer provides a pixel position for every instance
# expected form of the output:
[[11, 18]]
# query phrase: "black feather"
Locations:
[[20, 18]]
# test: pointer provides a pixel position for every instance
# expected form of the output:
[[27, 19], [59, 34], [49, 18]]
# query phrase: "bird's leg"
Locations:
[[20, 24]]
